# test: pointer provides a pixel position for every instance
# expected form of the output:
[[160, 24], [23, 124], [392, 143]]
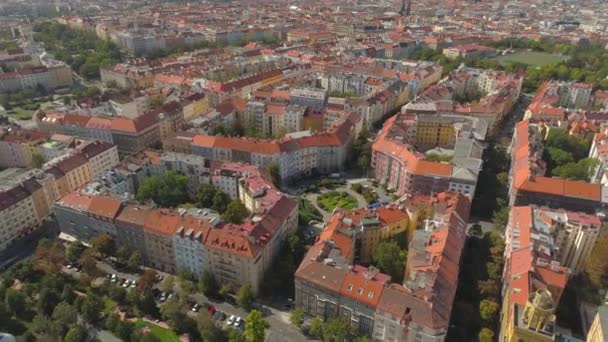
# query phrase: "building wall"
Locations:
[[190, 254], [15, 219], [316, 301], [160, 252]]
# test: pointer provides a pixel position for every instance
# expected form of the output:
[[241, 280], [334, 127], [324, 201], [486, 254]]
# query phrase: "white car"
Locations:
[[134, 284], [114, 278], [237, 322], [126, 283], [231, 320]]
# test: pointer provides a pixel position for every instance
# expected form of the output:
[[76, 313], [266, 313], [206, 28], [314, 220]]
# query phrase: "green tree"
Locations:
[[76, 334], [221, 201], [316, 327], [47, 300], [15, 302], [296, 317], [134, 261], [37, 160], [74, 251], [486, 335], [274, 172], [208, 330], [168, 190], [335, 329], [205, 194], [488, 310], [244, 296], [390, 259], [235, 212], [207, 283], [235, 335], [255, 326], [225, 290], [168, 283], [91, 309], [65, 314], [103, 245]]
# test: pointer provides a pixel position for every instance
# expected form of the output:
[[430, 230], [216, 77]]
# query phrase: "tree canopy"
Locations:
[[235, 212], [80, 49], [390, 259], [168, 190], [255, 326]]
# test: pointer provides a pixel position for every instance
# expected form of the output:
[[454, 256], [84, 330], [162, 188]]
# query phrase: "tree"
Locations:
[[134, 261], [297, 317], [596, 265], [488, 310], [49, 256], [488, 288], [274, 172], [47, 300], [335, 329], [170, 311], [207, 284], [475, 230], [205, 194], [15, 302], [255, 326], [168, 190], [168, 283], [74, 251], [220, 201], [390, 259], [147, 280], [47, 329], [88, 262], [235, 212], [186, 287], [37, 160], [91, 309], [235, 335], [64, 314], [486, 335], [208, 329], [103, 245], [316, 327], [244, 296], [225, 290], [76, 334]]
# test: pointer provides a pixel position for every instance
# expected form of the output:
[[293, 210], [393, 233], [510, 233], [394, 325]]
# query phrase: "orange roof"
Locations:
[[105, 206], [425, 167], [356, 286], [164, 221]]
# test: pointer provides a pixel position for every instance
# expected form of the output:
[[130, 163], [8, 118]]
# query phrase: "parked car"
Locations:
[[126, 283], [231, 320], [196, 307], [237, 322]]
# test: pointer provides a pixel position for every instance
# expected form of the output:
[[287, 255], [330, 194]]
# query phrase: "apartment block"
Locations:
[[328, 284]]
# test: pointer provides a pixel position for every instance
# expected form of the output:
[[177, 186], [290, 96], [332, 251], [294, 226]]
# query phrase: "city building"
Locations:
[[416, 308]]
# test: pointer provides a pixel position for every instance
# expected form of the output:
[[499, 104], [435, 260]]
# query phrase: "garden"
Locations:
[[337, 199]]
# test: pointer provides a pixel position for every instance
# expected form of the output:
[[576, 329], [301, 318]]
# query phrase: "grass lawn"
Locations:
[[531, 58], [21, 114], [162, 334], [337, 199]]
